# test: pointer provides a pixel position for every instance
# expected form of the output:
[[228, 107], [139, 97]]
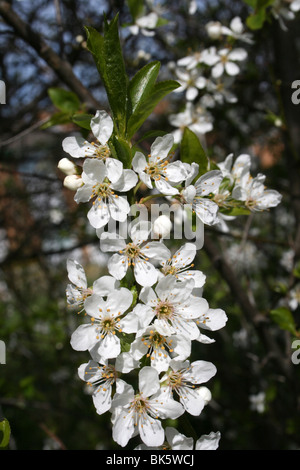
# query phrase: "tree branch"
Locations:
[[62, 68], [252, 314]]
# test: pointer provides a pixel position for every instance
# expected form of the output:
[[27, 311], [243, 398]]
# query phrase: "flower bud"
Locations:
[[67, 167], [214, 29], [162, 226], [73, 182], [205, 394]]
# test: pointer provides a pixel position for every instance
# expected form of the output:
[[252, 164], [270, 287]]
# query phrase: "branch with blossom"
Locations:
[[141, 321]]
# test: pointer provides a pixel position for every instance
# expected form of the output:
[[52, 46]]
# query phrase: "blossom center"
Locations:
[[175, 380], [140, 404], [164, 310], [156, 344], [156, 170]]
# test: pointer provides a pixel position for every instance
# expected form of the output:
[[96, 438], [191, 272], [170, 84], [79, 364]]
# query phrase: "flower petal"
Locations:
[[109, 346], [102, 126], [161, 148], [145, 273], [117, 266], [148, 381], [76, 273], [77, 147]]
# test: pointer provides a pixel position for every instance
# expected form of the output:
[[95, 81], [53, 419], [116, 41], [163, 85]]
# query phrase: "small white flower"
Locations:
[[140, 412], [102, 128], [258, 402], [136, 253], [236, 30], [160, 349], [195, 117], [180, 263], [98, 186], [106, 323], [294, 297], [78, 291], [224, 61], [172, 306], [145, 24], [219, 92], [190, 61], [237, 172], [101, 377], [157, 168], [198, 195], [254, 194], [191, 82], [182, 379]]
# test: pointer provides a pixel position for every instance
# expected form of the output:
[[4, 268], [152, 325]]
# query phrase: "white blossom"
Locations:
[[145, 24], [78, 290], [107, 322], [191, 81], [198, 194], [136, 254], [181, 265], [294, 297], [173, 307], [159, 348], [102, 128], [254, 194], [237, 31], [101, 377], [140, 412], [182, 379], [157, 168], [224, 61], [99, 187], [195, 117], [258, 402]]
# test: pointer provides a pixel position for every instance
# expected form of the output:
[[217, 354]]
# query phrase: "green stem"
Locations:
[[147, 198]]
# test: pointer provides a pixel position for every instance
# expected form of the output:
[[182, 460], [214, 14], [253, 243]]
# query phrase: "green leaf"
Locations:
[[136, 8], [82, 120], [296, 270], [64, 100], [121, 150], [142, 83], [57, 119], [158, 92], [5, 429], [256, 20], [151, 134], [258, 17], [191, 151], [284, 318], [109, 60]]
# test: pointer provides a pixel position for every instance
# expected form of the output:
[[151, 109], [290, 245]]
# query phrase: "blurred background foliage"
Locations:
[[250, 269]]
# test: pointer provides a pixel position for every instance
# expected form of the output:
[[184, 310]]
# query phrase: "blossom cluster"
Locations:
[[207, 76], [144, 315]]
